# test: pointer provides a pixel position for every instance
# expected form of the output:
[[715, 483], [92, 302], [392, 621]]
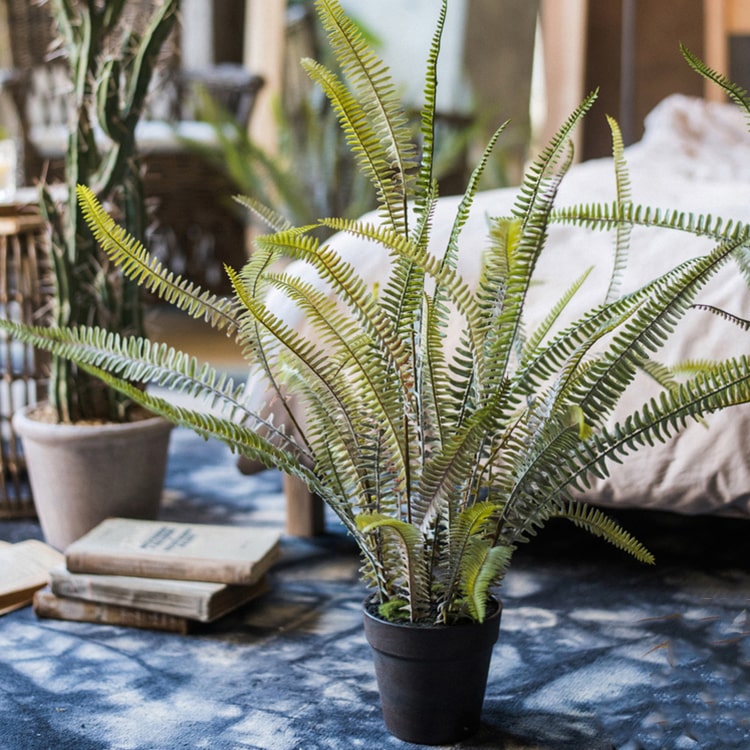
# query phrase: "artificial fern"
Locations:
[[439, 461]]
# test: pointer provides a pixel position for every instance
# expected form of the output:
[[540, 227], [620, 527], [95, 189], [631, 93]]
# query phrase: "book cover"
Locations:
[[197, 600], [24, 568], [48, 605], [168, 549]]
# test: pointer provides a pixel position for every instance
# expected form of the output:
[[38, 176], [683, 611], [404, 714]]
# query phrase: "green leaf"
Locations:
[[137, 264], [596, 522], [482, 566]]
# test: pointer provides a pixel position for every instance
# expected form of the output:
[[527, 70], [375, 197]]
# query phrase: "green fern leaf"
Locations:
[[410, 545], [531, 347], [482, 566], [273, 219], [622, 240], [596, 522], [735, 92], [425, 178], [137, 264]]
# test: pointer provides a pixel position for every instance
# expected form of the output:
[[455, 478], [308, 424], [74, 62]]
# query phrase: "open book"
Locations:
[[24, 568]]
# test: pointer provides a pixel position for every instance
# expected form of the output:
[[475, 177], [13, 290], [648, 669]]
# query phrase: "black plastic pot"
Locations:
[[432, 678]]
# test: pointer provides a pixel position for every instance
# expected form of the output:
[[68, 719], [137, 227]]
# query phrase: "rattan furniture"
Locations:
[[25, 295]]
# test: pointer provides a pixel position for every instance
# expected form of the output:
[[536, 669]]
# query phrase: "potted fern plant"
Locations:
[[438, 459], [83, 432]]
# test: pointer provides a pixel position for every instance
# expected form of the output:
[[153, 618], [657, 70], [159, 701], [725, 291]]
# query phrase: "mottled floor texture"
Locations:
[[595, 651]]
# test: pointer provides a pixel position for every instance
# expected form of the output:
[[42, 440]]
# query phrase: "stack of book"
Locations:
[[157, 574]]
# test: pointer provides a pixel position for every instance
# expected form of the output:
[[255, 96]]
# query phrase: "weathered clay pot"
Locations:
[[82, 474], [431, 678]]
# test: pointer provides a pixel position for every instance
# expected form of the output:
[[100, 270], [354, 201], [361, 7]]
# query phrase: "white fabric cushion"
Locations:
[[695, 156]]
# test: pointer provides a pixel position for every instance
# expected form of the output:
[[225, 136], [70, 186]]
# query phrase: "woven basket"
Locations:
[[25, 296]]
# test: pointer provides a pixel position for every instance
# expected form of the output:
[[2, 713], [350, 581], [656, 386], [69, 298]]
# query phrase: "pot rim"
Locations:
[[369, 608], [26, 425]]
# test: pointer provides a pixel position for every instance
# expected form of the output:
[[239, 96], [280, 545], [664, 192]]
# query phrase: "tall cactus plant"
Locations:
[[111, 68]]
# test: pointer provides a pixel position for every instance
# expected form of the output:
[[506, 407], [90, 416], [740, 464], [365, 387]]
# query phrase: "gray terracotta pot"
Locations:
[[82, 474], [431, 678]]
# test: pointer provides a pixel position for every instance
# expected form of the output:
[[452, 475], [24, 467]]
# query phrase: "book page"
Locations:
[[24, 567]]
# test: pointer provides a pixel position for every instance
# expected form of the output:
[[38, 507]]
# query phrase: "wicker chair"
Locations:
[[25, 296]]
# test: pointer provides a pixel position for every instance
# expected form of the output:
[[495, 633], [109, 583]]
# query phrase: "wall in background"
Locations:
[[658, 67]]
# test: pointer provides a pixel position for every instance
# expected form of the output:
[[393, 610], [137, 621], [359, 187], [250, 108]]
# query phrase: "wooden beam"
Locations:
[[563, 24], [721, 20], [715, 52], [265, 25], [738, 16]]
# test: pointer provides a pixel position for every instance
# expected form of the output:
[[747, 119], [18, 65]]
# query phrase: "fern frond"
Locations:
[[241, 439], [481, 568], [469, 522], [536, 177], [326, 374], [461, 293], [365, 145], [378, 131], [137, 264], [467, 539], [742, 323], [457, 459], [425, 176], [339, 453], [358, 374], [273, 219], [734, 91], [467, 199], [348, 286], [439, 309], [568, 348], [535, 340], [532, 464], [118, 361], [599, 524], [433, 377], [505, 330], [138, 360], [714, 388], [252, 334], [607, 216], [663, 375], [624, 231], [401, 298], [409, 549], [645, 332]]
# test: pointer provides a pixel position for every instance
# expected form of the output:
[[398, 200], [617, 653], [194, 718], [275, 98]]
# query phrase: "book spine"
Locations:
[[47, 605]]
